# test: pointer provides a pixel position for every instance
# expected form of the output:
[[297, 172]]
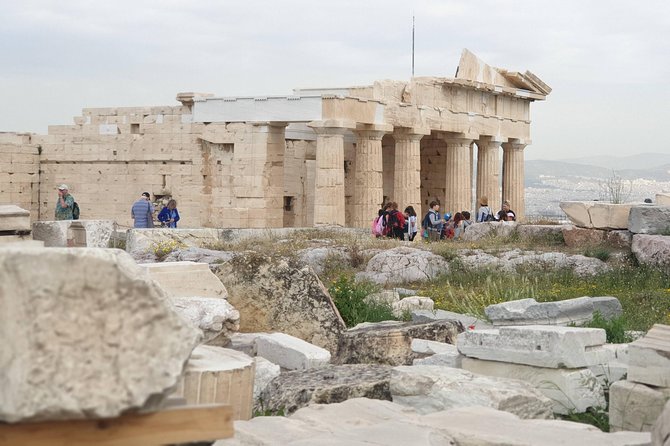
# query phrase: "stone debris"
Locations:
[[360, 421], [596, 214], [571, 390], [438, 315], [649, 219], [403, 265], [244, 342], [538, 345], [383, 297], [266, 371], [426, 347], [614, 370], [652, 250], [290, 352], [660, 433], [318, 258], [217, 319], [185, 279], [199, 255], [450, 359], [489, 229], [278, 296], [95, 233], [326, 385], [391, 342], [635, 407], [409, 304], [563, 312], [649, 358], [219, 375], [77, 320], [429, 388]]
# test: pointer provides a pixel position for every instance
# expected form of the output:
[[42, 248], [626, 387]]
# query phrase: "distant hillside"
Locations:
[[640, 161], [538, 169]]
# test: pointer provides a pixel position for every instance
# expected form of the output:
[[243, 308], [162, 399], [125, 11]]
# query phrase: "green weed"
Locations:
[[349, 298]]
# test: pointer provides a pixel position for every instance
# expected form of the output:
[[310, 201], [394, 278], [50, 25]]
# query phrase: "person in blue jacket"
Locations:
[[169, 215]]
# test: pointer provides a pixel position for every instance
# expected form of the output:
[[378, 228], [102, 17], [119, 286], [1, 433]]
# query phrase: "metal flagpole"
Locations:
[[412, 44]]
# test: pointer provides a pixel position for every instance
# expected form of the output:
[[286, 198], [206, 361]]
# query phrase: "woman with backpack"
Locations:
[[484, 213], [395, 223]]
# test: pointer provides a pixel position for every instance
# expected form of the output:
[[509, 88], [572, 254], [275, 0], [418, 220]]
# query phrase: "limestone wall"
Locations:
[[433, 171], [19, 172]]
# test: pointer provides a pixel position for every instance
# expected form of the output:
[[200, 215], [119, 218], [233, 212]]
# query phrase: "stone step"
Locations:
[[219, 375], [649, 357], [186, 279], [538, 345]]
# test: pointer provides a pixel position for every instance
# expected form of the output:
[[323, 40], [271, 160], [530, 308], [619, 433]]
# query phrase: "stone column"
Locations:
[[407, 167], [368, 173], [459, 183], [513, 177], [488, 172], [329, 177]]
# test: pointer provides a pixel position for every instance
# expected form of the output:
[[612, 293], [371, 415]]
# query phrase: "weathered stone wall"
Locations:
[[19, 172], [433, 171]]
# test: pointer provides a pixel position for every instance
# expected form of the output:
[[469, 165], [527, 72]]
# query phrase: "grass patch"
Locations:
[[615, 328], [349, 297], [599, 252], [595, 417], [643, 292]]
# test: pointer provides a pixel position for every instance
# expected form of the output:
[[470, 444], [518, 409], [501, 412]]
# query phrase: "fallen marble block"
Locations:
[[426, 347], [186, 279], [266, 371], [430, 389], [439, 315], [538, 345], [649, 219], [408, 304], [14, 218], [649, 357], [85, 334], [562, 312], [290, 352], [217, 319], [635, 407], [571, 390], [219, 375]]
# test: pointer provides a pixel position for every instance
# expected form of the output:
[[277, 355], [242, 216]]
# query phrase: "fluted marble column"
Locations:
[[459, 182], [368, 174], [488, 171], [513, 177], [407, 167], [329, 177]]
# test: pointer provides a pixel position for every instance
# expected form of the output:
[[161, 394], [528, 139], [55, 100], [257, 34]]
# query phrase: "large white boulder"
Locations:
[[404, 265], [85, 334], [429, 388], [55, 233], [217, 319], [596, 214], [538, 345], [648, 219], [290, 352]]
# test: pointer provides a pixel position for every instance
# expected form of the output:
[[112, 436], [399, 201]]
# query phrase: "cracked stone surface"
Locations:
[[652, 250], [403, 265]]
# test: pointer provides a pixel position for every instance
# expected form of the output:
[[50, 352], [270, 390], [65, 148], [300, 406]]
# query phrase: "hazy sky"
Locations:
[[607, 61]]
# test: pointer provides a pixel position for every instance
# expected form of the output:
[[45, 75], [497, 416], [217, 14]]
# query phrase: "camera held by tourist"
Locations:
[[142, 212], [169, 215], [65, 203]]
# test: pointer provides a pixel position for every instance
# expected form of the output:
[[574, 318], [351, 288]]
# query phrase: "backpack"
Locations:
[[75, 211], [378, 226], [487, 215], [425, 223]]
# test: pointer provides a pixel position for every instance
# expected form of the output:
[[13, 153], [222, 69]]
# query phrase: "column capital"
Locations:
[[410, 133], [268, 124], [515, 144], [493, 140], [372, 131], [332, 126], [457, 138]]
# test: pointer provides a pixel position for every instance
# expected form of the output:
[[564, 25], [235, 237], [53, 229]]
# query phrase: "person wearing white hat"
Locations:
[[65, 204]]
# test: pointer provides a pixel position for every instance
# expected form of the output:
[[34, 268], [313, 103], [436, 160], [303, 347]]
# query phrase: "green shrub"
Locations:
[[598, 417], [349, 297], [615, 328], [598, 252]]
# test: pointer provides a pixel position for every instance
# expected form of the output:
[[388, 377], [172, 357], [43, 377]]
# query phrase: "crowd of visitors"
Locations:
[[434, 226]]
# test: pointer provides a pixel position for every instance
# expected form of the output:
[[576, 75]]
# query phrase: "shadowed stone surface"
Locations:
[[278, 295], [430, 388], [332, 384], [660, 433], [654, 220], [85, 334], [391, 342]]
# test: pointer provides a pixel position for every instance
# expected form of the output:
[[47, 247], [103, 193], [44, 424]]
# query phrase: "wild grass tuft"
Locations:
[[349, 297]]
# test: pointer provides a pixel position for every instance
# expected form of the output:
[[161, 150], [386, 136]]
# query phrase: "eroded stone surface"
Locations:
[[217, 319], [652, 250], [649, 357], [538, 345], [78, 320], [55, 233], [595, 214], [404, 265], [14, 218], [274, 295], [391, 342], [429, 388], [660, 433], [331, 384], [266, 371], [200, 255], [649, 219], [531, 312], [635, 407], [184, 278], [577, 237], [408, 304], [437, 315]]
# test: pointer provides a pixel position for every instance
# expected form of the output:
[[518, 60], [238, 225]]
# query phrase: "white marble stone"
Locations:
[[185, 279], [427, 347], [634, 406], [562, 312], [572, 390], [538, 345], [266, 371], [14, 218], [290, 352], [408, 304], [649, 357]]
